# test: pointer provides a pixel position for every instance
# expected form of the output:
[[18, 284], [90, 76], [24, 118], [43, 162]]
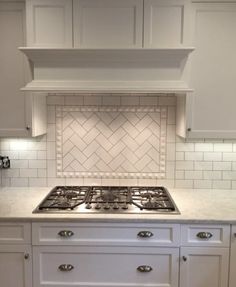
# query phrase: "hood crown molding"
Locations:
[[108, 70]]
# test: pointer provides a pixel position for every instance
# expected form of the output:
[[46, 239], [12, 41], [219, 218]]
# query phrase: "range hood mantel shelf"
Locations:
[[108, 70]]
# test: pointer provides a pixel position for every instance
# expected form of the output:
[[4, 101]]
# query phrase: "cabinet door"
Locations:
[[203, 267], [105, 266], [166, 23], [15, 266], [108, 23], [232, 271], [49, 23], [212, 110]]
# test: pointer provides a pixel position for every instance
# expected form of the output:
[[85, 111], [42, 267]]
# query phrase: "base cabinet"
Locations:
[[232, 270], [202, 266]]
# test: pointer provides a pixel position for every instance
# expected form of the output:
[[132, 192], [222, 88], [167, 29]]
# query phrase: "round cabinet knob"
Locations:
[[26, 256], [27, 128], [184, 258], [144, 268], [204, 235], [145, 234], [65, 267], [66, 233]]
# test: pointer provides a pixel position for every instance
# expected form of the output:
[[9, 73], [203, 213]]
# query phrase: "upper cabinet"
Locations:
[[108, 23], [166, 23], [49, 23], [211, 109]]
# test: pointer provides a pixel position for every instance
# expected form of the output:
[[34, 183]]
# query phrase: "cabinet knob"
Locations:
[[204, 235], [65, 267], [28, 128], [189, 129], [144, 268], [145, 234], [66, 233], [26, 256], [184, 258]]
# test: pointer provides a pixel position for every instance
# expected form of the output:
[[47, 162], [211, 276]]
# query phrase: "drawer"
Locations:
[[205, 235], [106, 234], [105, 266], [18, 232]]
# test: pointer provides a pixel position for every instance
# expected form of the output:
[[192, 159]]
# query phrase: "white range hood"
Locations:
[[108, 70]]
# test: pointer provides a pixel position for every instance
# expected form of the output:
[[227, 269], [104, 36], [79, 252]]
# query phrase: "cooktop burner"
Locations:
[[107, 199]]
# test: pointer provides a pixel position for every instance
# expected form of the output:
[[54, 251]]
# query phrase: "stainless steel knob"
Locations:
[[204, 235], [184, 258], [145, 234], [65, 267], [144, 268], [66, 233], [26, 256]]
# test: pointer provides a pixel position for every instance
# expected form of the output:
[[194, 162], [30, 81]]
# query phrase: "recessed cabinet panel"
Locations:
[[49, 23], [105, 266], [204, 267], [108, 23], [164, 22], [213, 71]]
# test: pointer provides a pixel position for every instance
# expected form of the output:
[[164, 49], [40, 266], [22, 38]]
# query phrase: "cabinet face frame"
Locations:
[[176, 10], [203, 254], [81, 27], [219, 122], [61, 10]]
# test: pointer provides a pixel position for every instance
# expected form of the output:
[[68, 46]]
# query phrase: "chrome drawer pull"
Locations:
[[66, 233], [144, 268], [66, 267], [204, 235], [145, 234]]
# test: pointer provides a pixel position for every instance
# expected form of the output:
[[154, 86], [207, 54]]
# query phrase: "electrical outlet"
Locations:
[[5, 162]]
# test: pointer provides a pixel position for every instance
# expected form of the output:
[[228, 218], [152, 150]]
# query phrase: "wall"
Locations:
[[188, 164]]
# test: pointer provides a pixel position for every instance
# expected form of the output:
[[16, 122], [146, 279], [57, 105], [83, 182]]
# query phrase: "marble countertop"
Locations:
[[195, 205]]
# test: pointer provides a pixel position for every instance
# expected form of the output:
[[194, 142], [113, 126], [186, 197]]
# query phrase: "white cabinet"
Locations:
[[211, 112], [15, 255], [166, 23], [232, 270], [108, 23], [201, 262], [105, 254], [17, 110], [49, 23]]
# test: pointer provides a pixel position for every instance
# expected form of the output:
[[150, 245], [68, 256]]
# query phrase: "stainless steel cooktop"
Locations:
[[107, 199]]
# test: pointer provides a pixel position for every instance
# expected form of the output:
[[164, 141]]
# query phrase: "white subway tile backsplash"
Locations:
[[207, 163], [212, 156], [202, 184]]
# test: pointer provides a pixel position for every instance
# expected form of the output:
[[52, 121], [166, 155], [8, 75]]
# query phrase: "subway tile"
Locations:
[[171, 133], [38, 182], [51, 150], [184, 147], [221, 165], [193, 174], [42, 172], [229, 175], [229, 156], [167, 100], [74, 181], [37, 163], [13, 172], [184, 165], [170, 151], [58, 181], [203, 165], [92, 181], [179, 174], [111, 100], [51, 133], [148, 101], [19, 182], [179, 183], [51, 168], [234, 184], [171, 116], [193, 156], [30, 154], [21, 163], [51, 114], [212, 174], [41, 155], [204, 147], [92, 100], [202, 184], [212, 156], [74, 100], [168, 183], [130, 101], [233, 165], [110, 181], [223, 147], [179, 155], [221, 184], [28, 172], [55, 100]]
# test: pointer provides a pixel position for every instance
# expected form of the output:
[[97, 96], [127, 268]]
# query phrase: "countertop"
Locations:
[[195, 205]]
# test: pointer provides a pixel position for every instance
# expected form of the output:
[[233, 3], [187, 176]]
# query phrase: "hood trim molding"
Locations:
[[108, 70]]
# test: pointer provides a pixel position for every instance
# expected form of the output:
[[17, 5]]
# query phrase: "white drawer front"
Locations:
[[15, 233], [105, 234], [104, 266], [205, 235]]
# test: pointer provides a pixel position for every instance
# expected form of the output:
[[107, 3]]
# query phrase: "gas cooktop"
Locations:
[[107, 199]]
